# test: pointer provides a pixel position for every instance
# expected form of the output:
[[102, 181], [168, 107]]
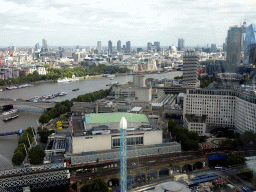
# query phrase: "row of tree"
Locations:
[[35, 154], [189, 139], [58, 109], [91, 97], [56, 73]]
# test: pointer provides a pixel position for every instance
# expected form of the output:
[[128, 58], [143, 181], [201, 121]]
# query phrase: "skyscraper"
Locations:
[[149, 46], [109, 47], [128, 47], [180, 44], [233, 49], [250, 40], [190, 69], [44, 44], [157, 45], [119, 48], [99, 46], [37, 46], [213, 48]]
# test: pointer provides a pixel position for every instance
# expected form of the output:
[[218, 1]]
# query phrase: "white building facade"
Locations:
[[223, 108]]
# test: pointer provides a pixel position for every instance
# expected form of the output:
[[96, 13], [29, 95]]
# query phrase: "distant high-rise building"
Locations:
[[233, 48], [44, 44], [37, 46], [77, 47], [149, 46], [128, 47], [139, 50], [224, 47], [181, 44], [250, 42], [118, 47], [99, 46], [157, 45], [190, 69], [109, 47], [213, 48]]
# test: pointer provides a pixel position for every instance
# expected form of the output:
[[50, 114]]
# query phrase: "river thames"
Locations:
[[28, 116]]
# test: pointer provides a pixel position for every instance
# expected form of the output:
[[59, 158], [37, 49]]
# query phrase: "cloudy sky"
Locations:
[[83, 22]]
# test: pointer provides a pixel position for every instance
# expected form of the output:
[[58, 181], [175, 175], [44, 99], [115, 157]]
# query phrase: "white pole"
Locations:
[[29, 142]]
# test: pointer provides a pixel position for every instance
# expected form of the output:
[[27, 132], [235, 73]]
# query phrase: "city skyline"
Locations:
[[65, 24]]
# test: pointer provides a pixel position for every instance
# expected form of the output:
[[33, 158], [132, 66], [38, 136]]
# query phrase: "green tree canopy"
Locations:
[[45, 118], [234, 159], [98, 185], [36, 154], [18, 158]]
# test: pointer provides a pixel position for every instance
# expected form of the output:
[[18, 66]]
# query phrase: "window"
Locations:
[[129, 141]]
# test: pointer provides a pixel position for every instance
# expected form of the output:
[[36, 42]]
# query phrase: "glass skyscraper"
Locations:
[[249, 42]]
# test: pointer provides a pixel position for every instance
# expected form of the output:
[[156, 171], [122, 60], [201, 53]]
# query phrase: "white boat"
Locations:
[[12, 87], [74, 79], [10, 112], [63, 93], [1, 90], [111, 76], [63, 80], [21, 86]]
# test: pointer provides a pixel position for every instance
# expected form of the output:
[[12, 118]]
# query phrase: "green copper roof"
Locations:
[[115, 117]]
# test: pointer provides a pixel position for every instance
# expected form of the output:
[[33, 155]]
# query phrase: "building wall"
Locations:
[[218, 108], [200, 128], [130, 153], [95, 143], [153, 137], [245, 115], [143, 94]]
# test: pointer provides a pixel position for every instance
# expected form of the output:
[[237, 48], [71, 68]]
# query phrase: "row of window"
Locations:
[[129, 141]]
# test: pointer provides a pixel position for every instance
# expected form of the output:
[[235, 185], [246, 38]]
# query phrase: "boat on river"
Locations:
[[10, 112], [10, 118], [75, 89], [63, 93], [11, 87]]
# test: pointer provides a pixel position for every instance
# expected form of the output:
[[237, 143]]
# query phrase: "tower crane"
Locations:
[[1, 56]]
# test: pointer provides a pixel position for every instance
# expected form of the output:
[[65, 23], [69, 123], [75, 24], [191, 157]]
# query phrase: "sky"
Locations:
[[81, 22]]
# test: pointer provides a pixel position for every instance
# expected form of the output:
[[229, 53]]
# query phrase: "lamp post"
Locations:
[[123, 155]]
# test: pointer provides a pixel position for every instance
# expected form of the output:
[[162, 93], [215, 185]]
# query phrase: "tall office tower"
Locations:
[[190, 68], [99, 46], [149, 46], [109, 47], [36, 46], [250, 42], [77, 47], [180, 44], [233, 49], [157, 45], [118, 47], [44, 44], [213, 48], [128, 47]]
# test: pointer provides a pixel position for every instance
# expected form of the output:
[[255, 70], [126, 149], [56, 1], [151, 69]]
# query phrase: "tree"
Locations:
[[45, 118], [36, 154], [21, 148], [18, 158], [234, 159], [98, 185], [44, 135]]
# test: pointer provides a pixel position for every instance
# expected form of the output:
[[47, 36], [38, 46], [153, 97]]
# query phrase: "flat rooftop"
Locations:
[[115, 117]]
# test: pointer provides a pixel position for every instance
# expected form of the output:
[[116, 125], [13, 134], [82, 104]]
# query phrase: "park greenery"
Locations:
[[23, 145], [189, 139], [205, 81], [56, 73], [234, 159]]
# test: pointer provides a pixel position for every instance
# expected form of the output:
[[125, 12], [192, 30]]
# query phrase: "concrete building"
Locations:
[[102, 132], [128, 47], [149, 47], [233, 48], [181, 44], [99, 46], [222, 108], [213, 48], [119, 46], [190, 69], [109, 47], [157, 45], [44, 44]]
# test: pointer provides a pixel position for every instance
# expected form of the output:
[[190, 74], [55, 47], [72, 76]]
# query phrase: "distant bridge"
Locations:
[[35, 177], [39, 104]]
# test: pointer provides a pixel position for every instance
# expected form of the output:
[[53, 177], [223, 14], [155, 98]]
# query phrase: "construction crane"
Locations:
[[1, 56]]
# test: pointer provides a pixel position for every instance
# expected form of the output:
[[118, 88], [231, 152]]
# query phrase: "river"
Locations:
[[28, 116]]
